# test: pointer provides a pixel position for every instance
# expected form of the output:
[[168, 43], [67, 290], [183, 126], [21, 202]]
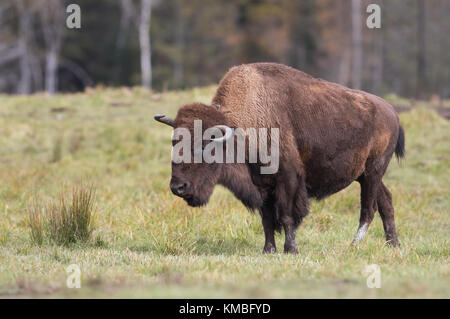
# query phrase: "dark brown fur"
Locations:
[[330, 136]]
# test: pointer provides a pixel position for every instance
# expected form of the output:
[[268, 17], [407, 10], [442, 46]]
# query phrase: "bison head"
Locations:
[[193, 181]]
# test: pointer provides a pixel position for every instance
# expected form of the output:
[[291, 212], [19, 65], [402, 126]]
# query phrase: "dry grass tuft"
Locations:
[[35, 223], [64, 221]]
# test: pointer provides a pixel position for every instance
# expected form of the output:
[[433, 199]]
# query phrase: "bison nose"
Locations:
[[179, 188]]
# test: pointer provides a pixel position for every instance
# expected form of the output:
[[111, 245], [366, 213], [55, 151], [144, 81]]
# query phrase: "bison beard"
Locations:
[[330, 136]]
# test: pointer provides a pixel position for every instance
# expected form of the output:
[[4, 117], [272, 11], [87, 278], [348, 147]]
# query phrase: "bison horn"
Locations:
[[164, 119], [228, 133]]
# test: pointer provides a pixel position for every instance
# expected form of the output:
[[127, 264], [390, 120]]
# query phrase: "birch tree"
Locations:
[[144, 43], [24, 85], [52, 19]]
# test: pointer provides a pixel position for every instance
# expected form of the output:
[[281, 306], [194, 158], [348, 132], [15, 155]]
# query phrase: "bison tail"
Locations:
[[400, 147]]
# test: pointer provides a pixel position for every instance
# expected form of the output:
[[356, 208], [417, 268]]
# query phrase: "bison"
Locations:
[[329, 136]]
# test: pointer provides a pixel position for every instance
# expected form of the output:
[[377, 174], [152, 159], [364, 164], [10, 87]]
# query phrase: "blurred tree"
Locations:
[[178, 44], [421, 75], [127, 16], [51, 13], [25, 28], [144, 42], [9, 48], [356, 44], [303, 35]]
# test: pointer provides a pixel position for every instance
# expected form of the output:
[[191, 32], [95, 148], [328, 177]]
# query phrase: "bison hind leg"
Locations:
[[369, 189], [386, 210]]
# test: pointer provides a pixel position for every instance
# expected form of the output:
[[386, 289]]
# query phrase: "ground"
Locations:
[[149, 243]]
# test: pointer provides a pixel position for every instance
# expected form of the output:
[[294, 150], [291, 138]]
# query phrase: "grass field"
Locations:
[[148, 243]]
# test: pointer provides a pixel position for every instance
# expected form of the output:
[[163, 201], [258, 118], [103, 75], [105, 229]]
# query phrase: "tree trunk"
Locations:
[[377, 76], [36, 71], [345, 50], [356, 44], [127, 17], [51, 69], [421, 81], [144, 42], [53, 25], [178, 65], [24, 85]]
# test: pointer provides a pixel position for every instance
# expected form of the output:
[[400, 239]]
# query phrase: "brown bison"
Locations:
[[329, 137]]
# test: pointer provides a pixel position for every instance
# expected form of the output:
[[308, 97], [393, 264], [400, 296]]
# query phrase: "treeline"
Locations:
[[173, 44]]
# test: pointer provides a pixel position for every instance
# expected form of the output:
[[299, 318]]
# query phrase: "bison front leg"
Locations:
[[293, 207], [269, 224], [290, 246]]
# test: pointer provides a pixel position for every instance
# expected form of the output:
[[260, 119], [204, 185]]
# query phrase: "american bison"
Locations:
[[329, 136]]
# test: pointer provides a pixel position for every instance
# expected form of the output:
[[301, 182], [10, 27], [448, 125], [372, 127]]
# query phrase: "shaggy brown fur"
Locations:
[[330, 136]]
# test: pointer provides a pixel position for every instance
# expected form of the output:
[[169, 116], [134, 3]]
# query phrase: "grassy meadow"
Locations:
[[148, 243]]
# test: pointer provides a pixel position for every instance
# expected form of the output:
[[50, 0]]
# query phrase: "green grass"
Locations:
[[148, 243]]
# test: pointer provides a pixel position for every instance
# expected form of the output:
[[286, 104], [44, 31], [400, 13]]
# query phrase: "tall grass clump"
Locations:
[[35, 223], [64, 221]]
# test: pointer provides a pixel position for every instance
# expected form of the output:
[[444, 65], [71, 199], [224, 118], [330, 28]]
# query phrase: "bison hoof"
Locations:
[[355, 242], [290, 249], [269, 249], [393, 243]]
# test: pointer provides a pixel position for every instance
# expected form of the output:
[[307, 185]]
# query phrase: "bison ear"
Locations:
[[164, 119]]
